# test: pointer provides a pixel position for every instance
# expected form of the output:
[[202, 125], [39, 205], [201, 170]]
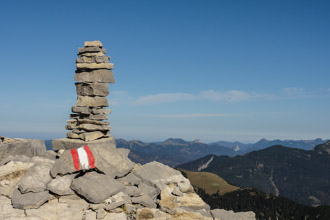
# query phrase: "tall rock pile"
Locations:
[[88, 121]]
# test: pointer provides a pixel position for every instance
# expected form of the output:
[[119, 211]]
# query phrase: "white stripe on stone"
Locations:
[[83, 158]]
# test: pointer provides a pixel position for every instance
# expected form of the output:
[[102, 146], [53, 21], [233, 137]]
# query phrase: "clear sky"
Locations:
[[212, 70]]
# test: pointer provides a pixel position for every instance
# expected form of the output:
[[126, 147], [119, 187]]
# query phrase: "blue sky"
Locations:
[[212, 70]]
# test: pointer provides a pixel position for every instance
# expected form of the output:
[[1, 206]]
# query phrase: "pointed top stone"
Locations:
[[95, 43]]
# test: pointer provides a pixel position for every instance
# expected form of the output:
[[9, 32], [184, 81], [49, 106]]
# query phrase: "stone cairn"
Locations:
[[88, 119]]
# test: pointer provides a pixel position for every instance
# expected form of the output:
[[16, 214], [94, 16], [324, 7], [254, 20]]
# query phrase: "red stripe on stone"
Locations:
[[75, 158], [90, 156]]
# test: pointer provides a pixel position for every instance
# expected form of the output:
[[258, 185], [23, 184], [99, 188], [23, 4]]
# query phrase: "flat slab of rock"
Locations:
[[27, 147], [92, 89], [96, 101], [101, 75], [94, 127], [224, 214], [93, 66], [95, 187], [94, 43], [91, 49], [66, 143], [29, 200], [90, 136]]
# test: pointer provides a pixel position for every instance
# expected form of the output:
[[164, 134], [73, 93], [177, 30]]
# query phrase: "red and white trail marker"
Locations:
[[83, 157]]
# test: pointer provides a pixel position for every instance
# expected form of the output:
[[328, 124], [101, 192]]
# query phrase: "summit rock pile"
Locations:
[[88, 118]]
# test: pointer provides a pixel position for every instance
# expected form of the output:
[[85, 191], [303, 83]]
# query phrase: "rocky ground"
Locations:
[[38, 184]]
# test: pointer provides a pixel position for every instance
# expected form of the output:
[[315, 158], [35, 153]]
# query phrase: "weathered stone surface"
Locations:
[[36, 179], [27, 147], [219, 214], [191, 201], [66, 143], [96, 187], [133, 191], [91, 49], [107, 159], [79, 109], [92, 54], [92, 101], [94, 43], [94, 127], [54, 210], [144, 201], [160, 175], [29, 200], [7, 211], [94, 59], [90, 136], [130, 180], [90, 215], [93, 66], [151, 192], [91, 121], [98, 117], [17, 158], [72, 135], [92, 89], [10, 175], [115, 216], [61, 185], [100, 111], [101, 75]]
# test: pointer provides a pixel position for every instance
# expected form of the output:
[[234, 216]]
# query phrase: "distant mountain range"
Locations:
[[171, 152], [297, 174], [241, 148]]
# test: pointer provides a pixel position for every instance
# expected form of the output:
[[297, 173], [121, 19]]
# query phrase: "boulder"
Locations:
[[219, 214], [29, 200], [161, 175], [92, 101], [61, 185], [130, 179], [101, 76], [150, 191], [27, 147], [95, 187], [92, 89], [16, 158], [36, 179]]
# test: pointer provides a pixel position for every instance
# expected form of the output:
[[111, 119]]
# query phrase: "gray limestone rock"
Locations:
[[144, 201], [100, 111], [130, 180], [27, 147], [95, 187], [91, 49], [36, 179], [91, 121], [95, 59], [92, 89], [66, 143], [94, 43], [177, 192], [160, 175], [94, 127], [98, 117], [101, 75], [72, 135], [114, 205], [16, 158], [29, 200], [79, 109], [92, 101], [93, 66], [90, 136], [107, 160], [61, 185], [133, 191], [151, 192]]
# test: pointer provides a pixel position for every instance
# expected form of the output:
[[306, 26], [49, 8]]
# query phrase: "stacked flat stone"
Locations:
[[88, 120]]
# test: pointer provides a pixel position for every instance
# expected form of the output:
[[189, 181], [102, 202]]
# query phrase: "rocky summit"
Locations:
[[87, 177]]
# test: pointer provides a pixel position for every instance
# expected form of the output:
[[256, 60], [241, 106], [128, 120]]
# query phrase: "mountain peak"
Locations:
[[323, 147], [176, 141]]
